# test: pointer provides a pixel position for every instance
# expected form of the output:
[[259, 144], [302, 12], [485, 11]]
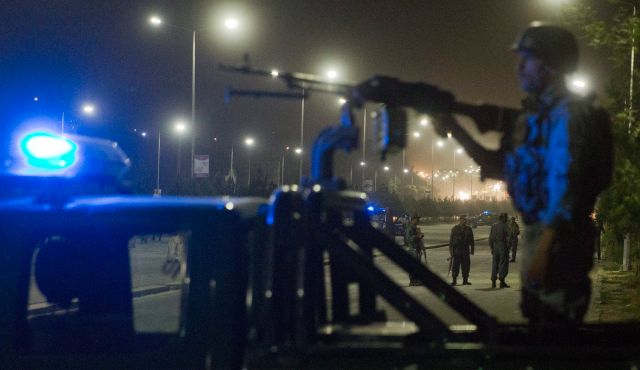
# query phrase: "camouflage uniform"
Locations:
[[556, 158], [413, 236], [514, 231], [461, 246], [499, 243]]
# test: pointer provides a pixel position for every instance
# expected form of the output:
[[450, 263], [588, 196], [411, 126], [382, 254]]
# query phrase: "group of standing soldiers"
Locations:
[[502, 240]]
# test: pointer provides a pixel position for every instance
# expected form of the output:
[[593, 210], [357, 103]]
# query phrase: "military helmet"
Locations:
[[555, 45]]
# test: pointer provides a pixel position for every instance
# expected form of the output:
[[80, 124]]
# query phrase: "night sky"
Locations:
[[139, 77]]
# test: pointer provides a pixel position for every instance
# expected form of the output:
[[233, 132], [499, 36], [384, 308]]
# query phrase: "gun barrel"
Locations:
[[231, 92], [294, 80]]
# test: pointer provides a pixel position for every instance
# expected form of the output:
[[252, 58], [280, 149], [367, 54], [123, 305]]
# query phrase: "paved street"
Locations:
[[157, 301], [501, 303]]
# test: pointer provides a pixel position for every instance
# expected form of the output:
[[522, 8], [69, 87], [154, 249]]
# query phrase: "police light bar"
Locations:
[[44, 154], [48, 152]]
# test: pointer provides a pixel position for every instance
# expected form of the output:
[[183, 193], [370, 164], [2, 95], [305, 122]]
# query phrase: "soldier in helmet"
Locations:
[[414, 237], [461, 246], [556, 157], [499, 243]]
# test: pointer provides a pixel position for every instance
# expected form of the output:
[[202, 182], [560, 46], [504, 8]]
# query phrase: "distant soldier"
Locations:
[[461, 246], [414, 237], [499, 243], [514, 231]]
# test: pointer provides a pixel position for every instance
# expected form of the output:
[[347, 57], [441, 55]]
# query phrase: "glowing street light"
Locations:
[[416, 134], [230, 24], [386, 168], [155, 20], [578, 85], [424, 122], [249, 142], [298, 151], [88, 109], [342, 101], [275, 73], [180, 127], [332, 74]]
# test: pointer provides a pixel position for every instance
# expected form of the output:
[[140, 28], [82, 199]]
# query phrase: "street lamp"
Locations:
[[88, 109], [249, 142], [440, 144], [453, 190], [230, 24], [180, 128]]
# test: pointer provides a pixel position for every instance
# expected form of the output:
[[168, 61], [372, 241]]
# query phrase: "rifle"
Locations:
[[393, 94]]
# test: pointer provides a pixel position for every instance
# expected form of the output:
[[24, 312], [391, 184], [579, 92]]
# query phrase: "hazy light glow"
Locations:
[[449, 135], [459, 151], [144, 134], [578, 84], [386, 168], [88, 109], [440, 143], [424, 122], [155, 20], [332, 74], [298, 150], [362, 163], [181, 127], [231, 23], [464, 196], [342, 101], [275, 73], [249, 141], [405, 170], [416, 134]]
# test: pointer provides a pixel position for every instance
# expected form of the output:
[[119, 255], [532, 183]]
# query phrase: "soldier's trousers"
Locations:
[[460, 260], [513, 245], [500, 264]]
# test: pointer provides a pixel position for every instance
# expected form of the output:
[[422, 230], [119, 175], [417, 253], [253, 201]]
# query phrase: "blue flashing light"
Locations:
[[370, 209], [47, 151]]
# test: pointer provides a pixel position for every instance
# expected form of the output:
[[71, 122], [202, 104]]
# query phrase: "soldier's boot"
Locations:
[[454, 282], [493, 283], [503, 284], [465, 282]]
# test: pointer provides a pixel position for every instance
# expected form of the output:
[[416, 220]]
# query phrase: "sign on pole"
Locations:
[[201, 166]]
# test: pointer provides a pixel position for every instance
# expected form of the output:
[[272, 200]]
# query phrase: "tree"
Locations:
[[619, 206]]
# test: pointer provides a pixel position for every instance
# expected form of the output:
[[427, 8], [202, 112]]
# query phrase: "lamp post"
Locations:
[[180, 128], [455, 172], [230, 24], [440, 144], [157, 191], [301, 160], [249, 142]]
